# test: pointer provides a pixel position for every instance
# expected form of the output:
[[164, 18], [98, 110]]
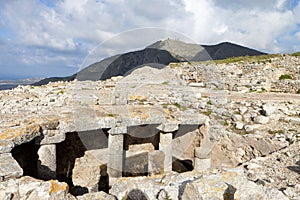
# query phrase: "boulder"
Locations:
[[261, 119], [268, 109], [87, 171]]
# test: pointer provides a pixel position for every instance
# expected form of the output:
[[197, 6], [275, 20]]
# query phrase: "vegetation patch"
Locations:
[[111, 115], [174, 65], [181, 107], [298, 91], [209, 102], [207, 112], [295, 54], [261, 59], [276, 132], [285, 76]]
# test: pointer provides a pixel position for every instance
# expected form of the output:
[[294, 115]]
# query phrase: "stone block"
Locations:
[[202, 164], [168, 127], [115, 157], [87, 172], [46, 165], [156, 162], [9, 167], [50, 137], [141, 147], [136, 164], [165, 145]]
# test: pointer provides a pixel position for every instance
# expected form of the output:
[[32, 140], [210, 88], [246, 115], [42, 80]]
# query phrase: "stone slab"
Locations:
[[9, 167]]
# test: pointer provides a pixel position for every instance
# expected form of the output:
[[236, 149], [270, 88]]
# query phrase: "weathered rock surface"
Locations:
[[252, 118], [87, 172], [224, 184], [30, 188], [96, 196], [9, 168]]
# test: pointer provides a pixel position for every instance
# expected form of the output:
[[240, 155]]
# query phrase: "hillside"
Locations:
[[161, 52], [227, 50]]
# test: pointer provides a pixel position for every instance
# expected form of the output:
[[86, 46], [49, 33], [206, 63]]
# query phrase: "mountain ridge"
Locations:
[[161, 52]]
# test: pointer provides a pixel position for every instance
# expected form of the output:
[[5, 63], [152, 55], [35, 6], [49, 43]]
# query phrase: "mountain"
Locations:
[[9, 84], [160, 53], [54, 79], [227, 50]]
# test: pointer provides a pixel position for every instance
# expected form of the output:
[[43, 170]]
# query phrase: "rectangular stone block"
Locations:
[[115, 157], [165, 145]]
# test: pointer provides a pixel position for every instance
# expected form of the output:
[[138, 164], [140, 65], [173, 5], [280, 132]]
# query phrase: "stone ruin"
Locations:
[[97, 136], [92, 160], [124, 132]]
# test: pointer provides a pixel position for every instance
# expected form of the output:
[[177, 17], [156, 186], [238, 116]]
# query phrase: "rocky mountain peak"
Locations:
[[188, 51]]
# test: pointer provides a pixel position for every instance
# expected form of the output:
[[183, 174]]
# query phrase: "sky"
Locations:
[[43, 38]]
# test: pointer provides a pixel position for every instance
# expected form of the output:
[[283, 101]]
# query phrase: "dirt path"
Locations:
[[236, 96]]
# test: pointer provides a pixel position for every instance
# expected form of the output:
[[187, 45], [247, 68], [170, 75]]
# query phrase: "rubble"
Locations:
[[188, 116]]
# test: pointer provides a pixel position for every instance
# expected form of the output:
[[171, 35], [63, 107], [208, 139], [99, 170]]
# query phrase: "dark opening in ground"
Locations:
[[27, 157], [181, 166], [136, 161], [75, 146], [141, 135], [66, 153]]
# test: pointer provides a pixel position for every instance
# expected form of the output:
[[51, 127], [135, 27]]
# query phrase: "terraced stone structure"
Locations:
[[92, 132], [131, 135]]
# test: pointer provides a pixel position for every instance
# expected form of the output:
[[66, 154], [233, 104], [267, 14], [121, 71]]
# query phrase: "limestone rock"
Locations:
[[269, 109], [229, 185], [261, 119], [156, 162], [142, 187], [30, 188], [239, 125], [47, 162], [96, 196], [136, 164], [9, 168], [87, 172]]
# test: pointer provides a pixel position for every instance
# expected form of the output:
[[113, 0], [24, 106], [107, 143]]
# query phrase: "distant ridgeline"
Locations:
[[156, 55]]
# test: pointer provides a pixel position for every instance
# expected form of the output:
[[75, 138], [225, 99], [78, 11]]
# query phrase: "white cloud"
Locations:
[[74, 27], [298, 35], [252, 25], [256, 23]]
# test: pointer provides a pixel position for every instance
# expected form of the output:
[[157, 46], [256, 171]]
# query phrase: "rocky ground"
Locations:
[[254, 120]]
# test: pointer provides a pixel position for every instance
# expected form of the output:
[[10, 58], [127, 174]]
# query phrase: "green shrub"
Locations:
[[182, 108], [209, 102], [285, 76], [207, 113], [298, 91]]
